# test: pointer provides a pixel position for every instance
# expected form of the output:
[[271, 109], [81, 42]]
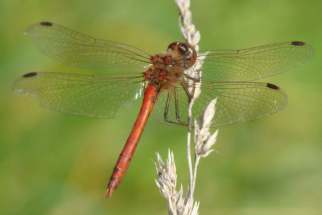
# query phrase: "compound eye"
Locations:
[[172, 46], [183, 49], [189, 53]]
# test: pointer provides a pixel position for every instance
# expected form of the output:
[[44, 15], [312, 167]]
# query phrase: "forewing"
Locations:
[[80, 94], [255, 63], [77, 49]]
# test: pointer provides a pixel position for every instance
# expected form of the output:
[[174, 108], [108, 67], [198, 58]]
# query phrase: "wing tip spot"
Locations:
[[29, 74], [272, 86], [297, 43], [46, 23]]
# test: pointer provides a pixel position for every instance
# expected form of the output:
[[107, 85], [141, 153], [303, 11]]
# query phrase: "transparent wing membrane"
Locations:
[[77, 49], [236, 102], [254, 63], [80, 94], [240, 101]]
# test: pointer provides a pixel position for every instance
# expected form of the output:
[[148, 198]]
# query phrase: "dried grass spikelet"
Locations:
[[179, 202]]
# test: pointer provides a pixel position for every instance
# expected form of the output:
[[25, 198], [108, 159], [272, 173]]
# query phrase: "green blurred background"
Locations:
[[52, 163]]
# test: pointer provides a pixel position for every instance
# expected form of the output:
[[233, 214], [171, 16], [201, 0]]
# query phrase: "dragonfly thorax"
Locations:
[[168, 69], [163, 76]]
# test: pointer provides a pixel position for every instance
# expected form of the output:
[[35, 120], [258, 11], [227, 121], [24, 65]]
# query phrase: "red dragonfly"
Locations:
[[123, 71]]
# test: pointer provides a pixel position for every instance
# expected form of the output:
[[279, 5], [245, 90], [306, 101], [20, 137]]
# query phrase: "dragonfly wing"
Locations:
[[79, 94], [76, 49], [240, 101], [255, 63]]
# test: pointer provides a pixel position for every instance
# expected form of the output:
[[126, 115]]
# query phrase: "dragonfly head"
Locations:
[[183, 53]]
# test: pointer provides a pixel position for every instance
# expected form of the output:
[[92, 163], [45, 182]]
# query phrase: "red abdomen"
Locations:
[[123, 162]]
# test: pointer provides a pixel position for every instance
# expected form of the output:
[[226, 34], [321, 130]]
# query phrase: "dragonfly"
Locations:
[[117, 74]]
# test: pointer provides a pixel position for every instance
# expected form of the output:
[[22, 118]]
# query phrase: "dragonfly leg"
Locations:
[[185, 88], [176, 105], [166, 108], [166, 111]]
